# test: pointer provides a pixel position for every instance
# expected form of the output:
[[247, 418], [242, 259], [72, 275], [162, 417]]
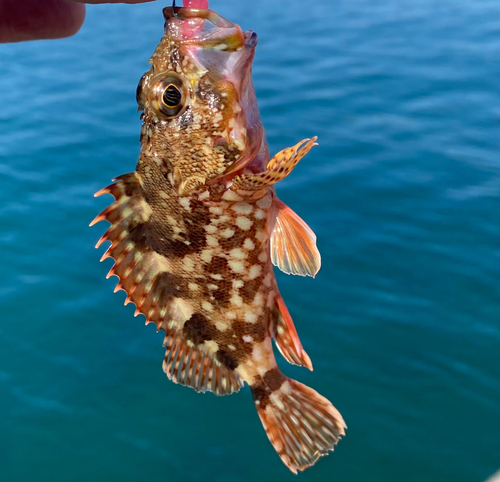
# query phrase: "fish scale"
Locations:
[[196, 229]]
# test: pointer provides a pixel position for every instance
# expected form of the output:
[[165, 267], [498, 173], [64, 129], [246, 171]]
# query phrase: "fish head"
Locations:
[[201, 121]]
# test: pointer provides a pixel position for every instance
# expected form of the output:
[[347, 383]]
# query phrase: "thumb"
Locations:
[[39, 19]]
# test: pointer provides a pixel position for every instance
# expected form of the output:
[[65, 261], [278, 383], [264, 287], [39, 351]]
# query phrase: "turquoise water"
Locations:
[[402, 322]]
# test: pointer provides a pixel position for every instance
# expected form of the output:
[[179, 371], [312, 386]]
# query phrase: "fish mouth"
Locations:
[[216, 45], [203, 27]]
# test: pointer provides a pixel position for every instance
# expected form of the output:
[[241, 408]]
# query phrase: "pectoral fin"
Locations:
[[277, 169], [293, 244]]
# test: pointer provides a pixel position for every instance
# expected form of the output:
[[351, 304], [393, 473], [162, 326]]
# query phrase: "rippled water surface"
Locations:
[[402, 322]]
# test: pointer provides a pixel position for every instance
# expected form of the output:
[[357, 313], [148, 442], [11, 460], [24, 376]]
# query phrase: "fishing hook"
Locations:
[[173, 11]]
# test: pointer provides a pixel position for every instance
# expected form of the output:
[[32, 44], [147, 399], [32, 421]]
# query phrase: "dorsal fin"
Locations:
[[286, 338], [194, 366], [147, 279], [293, 244]]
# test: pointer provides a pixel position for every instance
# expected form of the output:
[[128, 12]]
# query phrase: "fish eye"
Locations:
[[170, 95], [138, 93]]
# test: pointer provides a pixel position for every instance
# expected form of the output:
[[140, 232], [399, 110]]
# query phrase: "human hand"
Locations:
[[44, 19], [49, 19]]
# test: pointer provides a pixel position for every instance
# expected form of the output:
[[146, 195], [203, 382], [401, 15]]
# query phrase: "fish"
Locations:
[[196, 229]]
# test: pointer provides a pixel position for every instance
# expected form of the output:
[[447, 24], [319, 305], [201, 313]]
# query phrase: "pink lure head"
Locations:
[[196, 3]]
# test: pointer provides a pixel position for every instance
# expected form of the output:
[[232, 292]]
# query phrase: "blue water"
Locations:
[[402, 322]]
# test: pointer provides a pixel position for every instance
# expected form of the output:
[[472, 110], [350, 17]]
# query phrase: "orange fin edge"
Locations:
[[286, 337], [293, 243]]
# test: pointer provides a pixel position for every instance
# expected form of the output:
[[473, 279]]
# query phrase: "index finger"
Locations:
[[39, 19]]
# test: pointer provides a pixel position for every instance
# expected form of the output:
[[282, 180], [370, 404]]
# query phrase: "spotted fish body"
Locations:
[[196, 229]]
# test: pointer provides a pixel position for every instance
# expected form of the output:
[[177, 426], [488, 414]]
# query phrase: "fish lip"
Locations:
[[183, 28], [184, 13], [251, 38]]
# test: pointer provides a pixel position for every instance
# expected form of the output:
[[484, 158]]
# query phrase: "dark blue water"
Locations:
[[403, 321]]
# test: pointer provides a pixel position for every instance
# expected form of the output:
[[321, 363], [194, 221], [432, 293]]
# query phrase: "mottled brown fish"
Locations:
[[196, 229]]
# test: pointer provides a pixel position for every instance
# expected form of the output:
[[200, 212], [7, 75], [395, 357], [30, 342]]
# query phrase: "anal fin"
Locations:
[[293, 244], [286, 338]]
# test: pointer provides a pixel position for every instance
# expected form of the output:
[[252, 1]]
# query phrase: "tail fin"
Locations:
[[300, 423]]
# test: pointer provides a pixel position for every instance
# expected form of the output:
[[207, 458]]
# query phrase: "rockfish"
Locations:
[[196, 229]]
